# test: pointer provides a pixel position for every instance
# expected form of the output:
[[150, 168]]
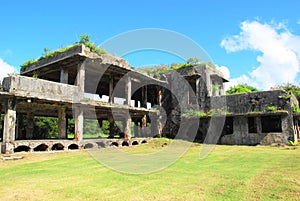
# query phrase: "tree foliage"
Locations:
[[290, 88], [241, 88], [193, 60], [85, 39]]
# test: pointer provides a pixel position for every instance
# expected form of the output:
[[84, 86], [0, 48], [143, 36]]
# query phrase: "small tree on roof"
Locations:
[[84, 39], [192, 60]]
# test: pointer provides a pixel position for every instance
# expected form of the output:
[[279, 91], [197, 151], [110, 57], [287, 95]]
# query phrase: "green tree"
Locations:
[[241, 88], [192, 60], [84, 39], [290, 88], [45, 127]]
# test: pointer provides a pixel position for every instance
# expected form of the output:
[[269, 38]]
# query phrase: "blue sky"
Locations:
[[245, 37]]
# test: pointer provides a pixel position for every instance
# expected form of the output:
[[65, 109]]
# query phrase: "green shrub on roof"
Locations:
[[84, 39]]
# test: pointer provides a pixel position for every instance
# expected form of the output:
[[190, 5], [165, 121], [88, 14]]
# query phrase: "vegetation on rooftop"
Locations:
[[84, 39], [161, 69], [290, 88], [157, 71], [212, 112], [271, 108], [295, 108]]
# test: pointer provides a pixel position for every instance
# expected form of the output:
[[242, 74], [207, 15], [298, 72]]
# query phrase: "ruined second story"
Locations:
[[78, 74], [193, 85]]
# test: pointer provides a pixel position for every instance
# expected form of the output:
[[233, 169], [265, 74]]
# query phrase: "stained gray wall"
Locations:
[[37, 88]]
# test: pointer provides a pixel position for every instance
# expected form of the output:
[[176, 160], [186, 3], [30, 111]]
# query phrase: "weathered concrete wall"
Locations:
[[80, 49], [242, 136], [240, 106], [37, 88], [56, 144], [257, 101]]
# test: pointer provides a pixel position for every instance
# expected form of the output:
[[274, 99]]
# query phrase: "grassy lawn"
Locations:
[[228, 173]]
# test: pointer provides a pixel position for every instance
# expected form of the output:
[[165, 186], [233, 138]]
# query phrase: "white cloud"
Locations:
[[5, 69], [298, 22], [280, 53], [224, 70]]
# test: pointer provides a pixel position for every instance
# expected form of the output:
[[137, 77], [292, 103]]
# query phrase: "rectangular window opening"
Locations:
[[228, 126], [252, 125], [271, 124]]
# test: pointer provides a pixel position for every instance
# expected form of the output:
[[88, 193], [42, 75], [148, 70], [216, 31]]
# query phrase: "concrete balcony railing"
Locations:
[[29, 87]]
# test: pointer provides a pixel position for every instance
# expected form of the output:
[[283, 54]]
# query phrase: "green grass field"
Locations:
[[228, 173]]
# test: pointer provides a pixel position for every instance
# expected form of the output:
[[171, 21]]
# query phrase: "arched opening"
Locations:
[[115, 144], [100, 144], [88, 146], [41, 147], [22, 148], [144, 141], [73, 146], [125, 144], [135, 143], [57, 146]]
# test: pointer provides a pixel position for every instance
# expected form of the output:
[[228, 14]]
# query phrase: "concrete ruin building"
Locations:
[[78, 84]]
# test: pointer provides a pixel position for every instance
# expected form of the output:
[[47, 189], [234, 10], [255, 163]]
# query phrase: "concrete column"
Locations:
[[62, 123], [78, 134], [80, 79], [128, 90], [159, 96], [127, 128], [159, 126], [143, 126], [9, 128], [111, 89], [158, 123], [287, 126], [64, 75], [208, 83], [197, 89], [30, 125]]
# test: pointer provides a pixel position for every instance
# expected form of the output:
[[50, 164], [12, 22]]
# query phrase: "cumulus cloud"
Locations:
[[225, 71], [279, 53], [5, 69]]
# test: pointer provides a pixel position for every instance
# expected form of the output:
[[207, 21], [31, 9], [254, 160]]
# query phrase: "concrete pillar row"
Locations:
[[79, 119], [143, 126], [64, 75], [62, 123], [127, 128], [128, 90], [80, 79], [9, 127]]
